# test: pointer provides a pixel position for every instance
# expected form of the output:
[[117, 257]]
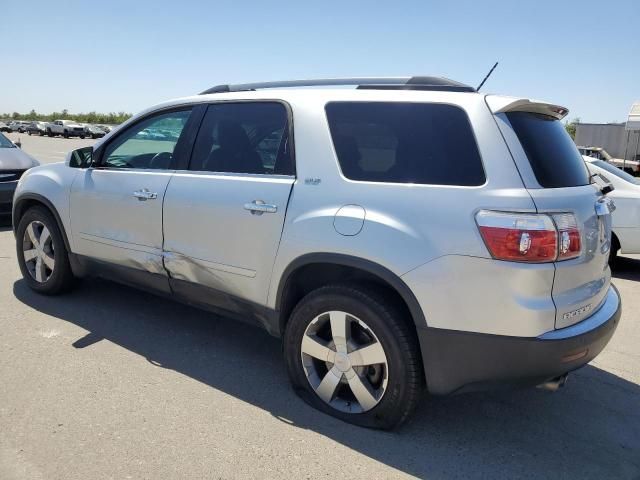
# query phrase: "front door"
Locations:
[[116, 206]]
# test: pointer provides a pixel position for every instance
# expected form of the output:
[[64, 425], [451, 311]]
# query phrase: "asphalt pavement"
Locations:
[[49, 149]]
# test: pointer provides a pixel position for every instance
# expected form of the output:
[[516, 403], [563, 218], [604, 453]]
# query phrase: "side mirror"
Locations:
[[18, 143], [81, 158]]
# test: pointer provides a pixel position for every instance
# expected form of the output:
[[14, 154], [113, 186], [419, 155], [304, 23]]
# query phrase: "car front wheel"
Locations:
[[42, 255], [350, 354]]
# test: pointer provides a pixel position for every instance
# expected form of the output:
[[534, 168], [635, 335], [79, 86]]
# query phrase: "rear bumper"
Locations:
[[7, 190], [458, 361]]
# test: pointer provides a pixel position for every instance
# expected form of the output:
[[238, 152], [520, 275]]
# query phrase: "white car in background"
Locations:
[[626, 195]]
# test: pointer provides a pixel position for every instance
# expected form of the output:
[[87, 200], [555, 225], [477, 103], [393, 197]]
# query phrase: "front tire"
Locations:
[[349, 353], [42, 255]]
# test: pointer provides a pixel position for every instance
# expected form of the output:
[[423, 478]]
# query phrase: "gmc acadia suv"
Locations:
[[410, 234]]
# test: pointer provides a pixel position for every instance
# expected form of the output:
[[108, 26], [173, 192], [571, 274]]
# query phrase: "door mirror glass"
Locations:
[[81, 158]]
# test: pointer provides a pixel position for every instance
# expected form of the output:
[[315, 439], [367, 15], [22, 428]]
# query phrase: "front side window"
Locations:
[[5, 142], [423, 143], [149, 144], [246, 137]]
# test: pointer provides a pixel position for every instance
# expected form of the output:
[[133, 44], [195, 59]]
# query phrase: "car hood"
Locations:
[[16, 159]]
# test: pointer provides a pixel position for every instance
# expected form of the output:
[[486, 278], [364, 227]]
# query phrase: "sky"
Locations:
[[116, 55]]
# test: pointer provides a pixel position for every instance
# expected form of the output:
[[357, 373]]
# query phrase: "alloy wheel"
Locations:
[[38, 251], [344, 362]]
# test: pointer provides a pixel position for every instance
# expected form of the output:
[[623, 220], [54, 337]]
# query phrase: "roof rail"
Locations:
[[377, 83]]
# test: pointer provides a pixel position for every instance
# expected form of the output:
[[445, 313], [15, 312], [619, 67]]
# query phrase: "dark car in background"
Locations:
[[37, 128], [94, 131], [13, 163]]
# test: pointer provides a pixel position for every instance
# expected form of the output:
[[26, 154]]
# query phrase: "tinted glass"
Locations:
[[5, 142], [243, 138], [148, 144], [405, 143], [617, 172], [554, 158]]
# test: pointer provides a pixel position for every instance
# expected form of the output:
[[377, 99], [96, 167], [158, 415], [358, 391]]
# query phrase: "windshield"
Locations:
[[616, 171], [5, 142]]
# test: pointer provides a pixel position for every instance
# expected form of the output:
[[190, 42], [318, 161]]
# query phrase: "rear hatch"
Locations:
[[558, 181]]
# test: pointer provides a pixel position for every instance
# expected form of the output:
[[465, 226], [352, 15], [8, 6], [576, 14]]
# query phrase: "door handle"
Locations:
[[258, 207], [145, 194]]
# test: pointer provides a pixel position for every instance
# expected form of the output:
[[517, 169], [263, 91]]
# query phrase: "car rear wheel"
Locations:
[[350, 354], [42, 255]]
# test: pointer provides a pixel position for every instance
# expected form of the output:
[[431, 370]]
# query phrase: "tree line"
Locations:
[[111, 118]]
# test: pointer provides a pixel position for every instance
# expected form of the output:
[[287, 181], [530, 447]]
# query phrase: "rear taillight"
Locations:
[[569, 244], [529, 237]]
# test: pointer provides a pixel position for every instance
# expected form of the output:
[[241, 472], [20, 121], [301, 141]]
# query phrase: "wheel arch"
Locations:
[[28, 200], [332, 267]]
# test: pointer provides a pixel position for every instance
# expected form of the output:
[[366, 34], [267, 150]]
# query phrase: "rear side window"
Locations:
[[396, 142], [554, 158], [246, 137]]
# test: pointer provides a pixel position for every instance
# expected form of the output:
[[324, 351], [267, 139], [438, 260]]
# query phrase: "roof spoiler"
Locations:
[[499, 104]]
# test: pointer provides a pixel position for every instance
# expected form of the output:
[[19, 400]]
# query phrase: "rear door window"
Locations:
[[244, 137], [424, 143], [554, 158]]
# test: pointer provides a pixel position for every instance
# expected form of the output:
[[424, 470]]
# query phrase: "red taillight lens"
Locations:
[[569, 243], [530, 237], [518, 236]]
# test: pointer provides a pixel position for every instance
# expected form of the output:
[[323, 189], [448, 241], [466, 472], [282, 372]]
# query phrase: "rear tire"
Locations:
[[50, 274], [395, 385]]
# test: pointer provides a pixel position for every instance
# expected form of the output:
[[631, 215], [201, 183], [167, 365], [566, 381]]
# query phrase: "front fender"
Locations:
[[49, 185]]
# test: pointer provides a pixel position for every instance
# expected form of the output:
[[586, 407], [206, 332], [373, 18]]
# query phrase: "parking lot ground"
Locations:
[[46, 149], [109, 382]]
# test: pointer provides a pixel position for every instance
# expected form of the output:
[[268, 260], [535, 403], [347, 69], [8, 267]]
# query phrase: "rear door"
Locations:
[[223, 217], [558, 181]]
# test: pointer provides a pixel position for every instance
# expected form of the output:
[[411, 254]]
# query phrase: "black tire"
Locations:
[[613, 252], [65, 134], [61, 279], [405, 380], [49, 133], [82, 137]]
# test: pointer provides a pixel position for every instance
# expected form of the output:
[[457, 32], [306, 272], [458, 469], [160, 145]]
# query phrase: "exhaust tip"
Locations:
[[555, 383]]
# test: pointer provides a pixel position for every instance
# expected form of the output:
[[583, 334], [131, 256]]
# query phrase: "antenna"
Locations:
[[485, 78]]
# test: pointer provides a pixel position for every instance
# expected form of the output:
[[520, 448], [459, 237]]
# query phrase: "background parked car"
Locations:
[[66, 128], [93, 131], [105, 128], [13, 163], [18, 126], [4, 127], [625, 237], [629, 166], [37, 128]]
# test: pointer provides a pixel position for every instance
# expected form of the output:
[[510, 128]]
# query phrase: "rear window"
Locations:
[[554, 158], [405, 143]]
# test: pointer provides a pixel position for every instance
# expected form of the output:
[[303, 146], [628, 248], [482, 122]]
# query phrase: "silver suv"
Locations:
[[410, 234]]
